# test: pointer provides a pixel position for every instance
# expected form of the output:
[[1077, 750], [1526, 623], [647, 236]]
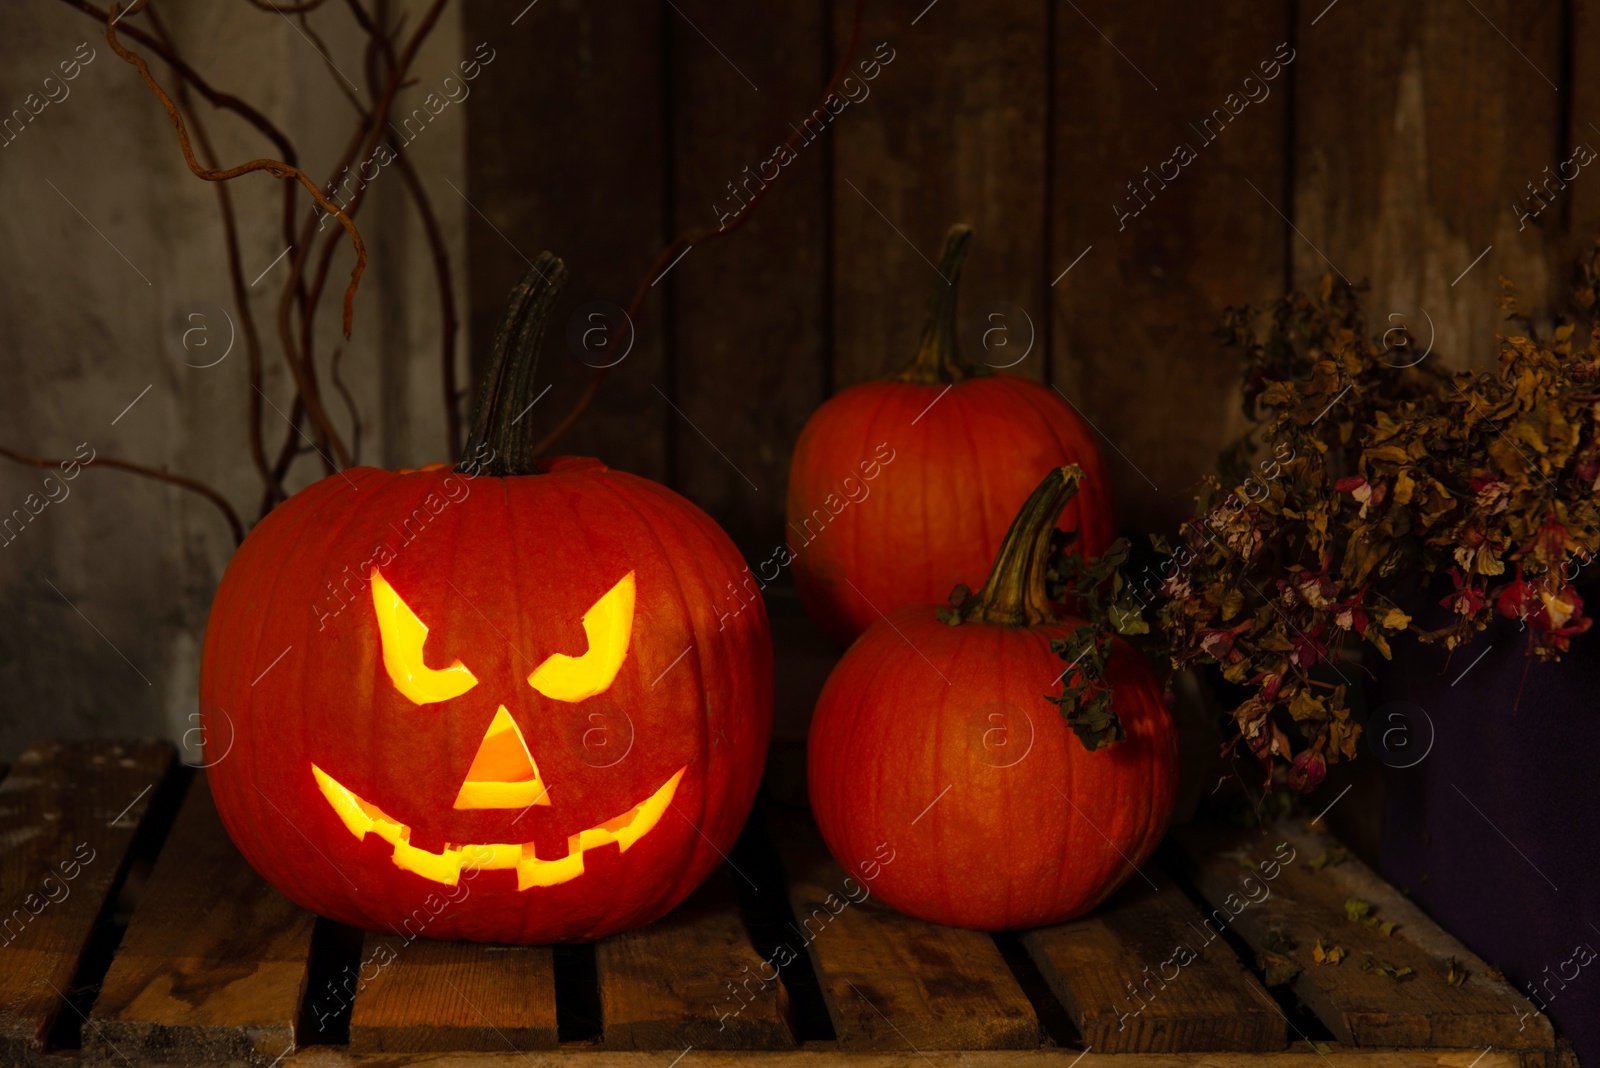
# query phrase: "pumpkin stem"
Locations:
[[501, 442], [1014, 595], [938, 359]]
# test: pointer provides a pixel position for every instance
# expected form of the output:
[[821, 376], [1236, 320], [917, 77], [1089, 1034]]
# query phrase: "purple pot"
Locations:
[[1492, 809]]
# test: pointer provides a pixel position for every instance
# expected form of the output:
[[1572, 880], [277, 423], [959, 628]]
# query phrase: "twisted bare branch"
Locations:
[[277, 168], [156, 473]]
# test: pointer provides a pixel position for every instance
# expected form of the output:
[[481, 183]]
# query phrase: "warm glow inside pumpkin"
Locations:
[[503, 773]]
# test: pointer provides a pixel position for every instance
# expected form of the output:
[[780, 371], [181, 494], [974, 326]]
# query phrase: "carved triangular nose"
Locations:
[[503, 774]]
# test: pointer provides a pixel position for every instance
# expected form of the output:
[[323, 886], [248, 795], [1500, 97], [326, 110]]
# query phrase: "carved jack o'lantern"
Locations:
[[495, 703]]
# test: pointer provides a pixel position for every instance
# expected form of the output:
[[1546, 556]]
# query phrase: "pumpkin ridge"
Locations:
[[940, 830], [522, 650], [547, 493], [308, 525], [703, 748], [403, 494], [1007, 694], [532, 654], [855, 724], [276, 573], [893, 678], [858, 724], [858, 528]]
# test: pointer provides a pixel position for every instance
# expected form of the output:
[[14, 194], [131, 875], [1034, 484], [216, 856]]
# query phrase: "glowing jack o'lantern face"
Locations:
[[522, 709], [503, 774], [375, 773]]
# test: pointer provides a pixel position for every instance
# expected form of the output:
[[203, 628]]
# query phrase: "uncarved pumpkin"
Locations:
[[494, 703], [901, 489], [936, 739]]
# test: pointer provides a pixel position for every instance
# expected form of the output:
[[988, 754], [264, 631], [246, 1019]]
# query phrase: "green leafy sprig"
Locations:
[[1093, 587]]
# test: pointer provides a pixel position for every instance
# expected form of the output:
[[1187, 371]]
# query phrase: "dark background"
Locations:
[[1393, 149], [1390, 150]]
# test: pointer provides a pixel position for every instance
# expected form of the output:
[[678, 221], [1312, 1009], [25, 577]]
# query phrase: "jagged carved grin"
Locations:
[[362, 817]]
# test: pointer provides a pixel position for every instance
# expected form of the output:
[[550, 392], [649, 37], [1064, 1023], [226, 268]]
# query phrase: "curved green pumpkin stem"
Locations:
[[938, 358], [501, 442], [1014, 595]]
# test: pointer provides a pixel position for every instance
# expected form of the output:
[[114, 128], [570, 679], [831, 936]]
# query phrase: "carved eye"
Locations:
[[608, 626], [403, 635]]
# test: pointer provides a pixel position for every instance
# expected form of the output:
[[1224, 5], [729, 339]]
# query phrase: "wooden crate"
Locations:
[[139, 936]]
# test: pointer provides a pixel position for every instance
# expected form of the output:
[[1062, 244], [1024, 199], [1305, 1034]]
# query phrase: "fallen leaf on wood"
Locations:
[[1330, 858], [1327, 956], [1385, 968], [1358, 911], [1274, 941], [1276, 968]]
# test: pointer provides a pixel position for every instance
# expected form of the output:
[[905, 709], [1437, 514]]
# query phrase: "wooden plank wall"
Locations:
[[1171, 246], [749, 311], [568, 151], [1419, 127], [1177, 160]]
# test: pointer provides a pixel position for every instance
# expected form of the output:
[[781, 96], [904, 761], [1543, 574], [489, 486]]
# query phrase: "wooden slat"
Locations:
[[1583, 218], [213, 964], [1141, 975], [692, 978], [68, 813], [749, 307], [892, 982], [1300, 1056], [424, 996], [1361, 1007], [1135, 318], [954, 131], [1418, 125], [566, 143]]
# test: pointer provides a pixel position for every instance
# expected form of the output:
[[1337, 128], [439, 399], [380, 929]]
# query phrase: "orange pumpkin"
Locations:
[[493, 703], [901, 489], [937, 740]]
